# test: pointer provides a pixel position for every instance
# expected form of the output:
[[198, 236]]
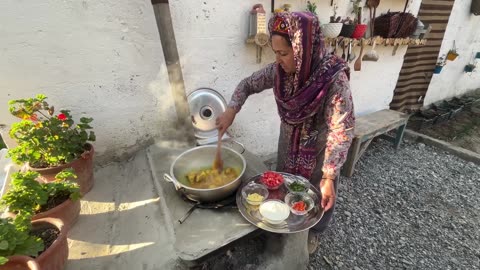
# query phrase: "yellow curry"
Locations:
[[210, 178]]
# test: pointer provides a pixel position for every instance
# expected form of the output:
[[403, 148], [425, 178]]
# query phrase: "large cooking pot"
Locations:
[[199, 158]]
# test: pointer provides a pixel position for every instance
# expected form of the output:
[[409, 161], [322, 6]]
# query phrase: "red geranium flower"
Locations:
[[62, 117]]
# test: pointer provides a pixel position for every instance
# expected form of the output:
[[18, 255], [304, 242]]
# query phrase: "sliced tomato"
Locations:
[[272, 179]]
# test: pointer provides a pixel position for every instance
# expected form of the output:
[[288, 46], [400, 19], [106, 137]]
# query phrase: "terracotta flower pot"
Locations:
[[359, 31], [55, 256], [82, 166], [20, 263], [68, 212]]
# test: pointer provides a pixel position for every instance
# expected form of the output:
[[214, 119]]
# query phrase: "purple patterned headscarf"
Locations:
[[300, 96]]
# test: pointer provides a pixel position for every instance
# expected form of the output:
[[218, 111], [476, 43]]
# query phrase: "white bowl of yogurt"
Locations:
[[274, 211]]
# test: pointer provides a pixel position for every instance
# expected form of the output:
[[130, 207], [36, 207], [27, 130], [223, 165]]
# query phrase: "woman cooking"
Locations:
[[314, 101]]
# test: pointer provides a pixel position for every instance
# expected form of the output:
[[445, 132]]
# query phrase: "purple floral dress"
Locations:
[[334, 121]]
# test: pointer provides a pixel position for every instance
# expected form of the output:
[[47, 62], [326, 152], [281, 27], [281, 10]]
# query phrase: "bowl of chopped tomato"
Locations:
[[299, 202], [272, 180]]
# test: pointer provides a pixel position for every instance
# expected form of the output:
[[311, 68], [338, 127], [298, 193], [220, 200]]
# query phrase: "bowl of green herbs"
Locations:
[[296, 184]]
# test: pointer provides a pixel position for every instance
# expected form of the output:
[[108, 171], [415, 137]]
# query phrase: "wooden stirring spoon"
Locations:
[[218, 162]]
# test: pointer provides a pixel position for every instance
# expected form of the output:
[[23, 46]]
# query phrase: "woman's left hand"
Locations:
[[328, 193]]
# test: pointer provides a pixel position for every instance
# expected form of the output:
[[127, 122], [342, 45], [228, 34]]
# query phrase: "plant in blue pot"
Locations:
[[469, 68], [440, 64]]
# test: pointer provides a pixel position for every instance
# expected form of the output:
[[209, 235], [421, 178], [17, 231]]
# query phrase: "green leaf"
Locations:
[[84, 126], [92, 136], [30, 247], [16, 237], [40, 97], [66, 174], [3, 245], [86, 120]]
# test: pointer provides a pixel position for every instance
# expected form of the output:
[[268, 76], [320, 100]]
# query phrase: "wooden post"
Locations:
[[349, 165]]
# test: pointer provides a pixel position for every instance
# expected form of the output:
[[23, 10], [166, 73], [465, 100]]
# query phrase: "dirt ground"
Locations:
[[463, 130]]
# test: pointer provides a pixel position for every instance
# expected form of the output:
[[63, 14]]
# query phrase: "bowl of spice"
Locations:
[[254, 193], [299, 202], [297, 184]]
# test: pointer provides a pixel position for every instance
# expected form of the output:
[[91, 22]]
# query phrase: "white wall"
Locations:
[[452, 81], [98, 58], [211, 40], [104, 59]]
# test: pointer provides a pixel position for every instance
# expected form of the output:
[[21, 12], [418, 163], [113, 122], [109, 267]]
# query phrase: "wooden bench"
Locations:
[[369, 126]]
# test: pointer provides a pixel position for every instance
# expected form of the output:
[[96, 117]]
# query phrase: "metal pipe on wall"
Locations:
[[163, 18]]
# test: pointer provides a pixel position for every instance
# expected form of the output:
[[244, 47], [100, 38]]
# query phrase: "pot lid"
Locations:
[[205, 105]]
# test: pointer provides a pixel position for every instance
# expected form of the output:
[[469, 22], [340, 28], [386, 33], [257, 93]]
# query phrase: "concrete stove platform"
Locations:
[[205, 230], [121, 224], [125, 223]]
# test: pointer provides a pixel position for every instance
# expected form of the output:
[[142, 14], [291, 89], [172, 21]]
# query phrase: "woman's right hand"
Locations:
[[225, 120]]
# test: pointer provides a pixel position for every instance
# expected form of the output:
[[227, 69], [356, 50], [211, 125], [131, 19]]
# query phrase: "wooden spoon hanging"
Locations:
[[358, 64], [375, 6], [369, 4]]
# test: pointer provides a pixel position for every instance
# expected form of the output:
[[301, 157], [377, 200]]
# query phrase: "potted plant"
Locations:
[[469, 68], [452, 53], [54, 236], [17, 244], [332, 29], [440, 64], [312, 7], [50, 142], [347, 28], [59, 199], [360, 28]]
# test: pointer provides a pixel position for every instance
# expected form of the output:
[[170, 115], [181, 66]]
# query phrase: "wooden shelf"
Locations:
[[378, 41]]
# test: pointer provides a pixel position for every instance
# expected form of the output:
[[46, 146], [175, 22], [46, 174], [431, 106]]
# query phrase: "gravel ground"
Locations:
[[418, 208]]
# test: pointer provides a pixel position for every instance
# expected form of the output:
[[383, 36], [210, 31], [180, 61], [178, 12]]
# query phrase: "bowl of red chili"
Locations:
[[272, 180], [299, 203]]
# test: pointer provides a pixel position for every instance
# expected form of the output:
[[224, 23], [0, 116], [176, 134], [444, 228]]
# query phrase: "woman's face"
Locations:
[[283, 53]]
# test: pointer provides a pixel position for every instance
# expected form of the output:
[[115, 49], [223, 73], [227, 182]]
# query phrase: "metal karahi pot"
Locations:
[[205, 106], [202, 157]]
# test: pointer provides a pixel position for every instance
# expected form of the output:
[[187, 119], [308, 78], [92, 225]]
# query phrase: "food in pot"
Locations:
[[274, 211], [210, 178], [254, 197], [272, 180]]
